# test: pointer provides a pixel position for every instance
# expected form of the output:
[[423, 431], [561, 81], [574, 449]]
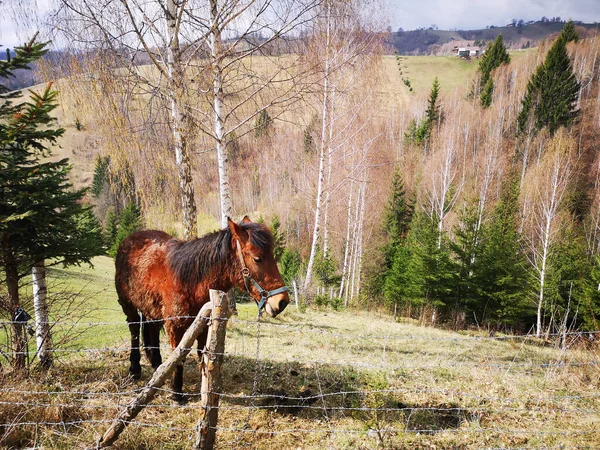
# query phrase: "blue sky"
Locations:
[[408, 14], [472, 14]]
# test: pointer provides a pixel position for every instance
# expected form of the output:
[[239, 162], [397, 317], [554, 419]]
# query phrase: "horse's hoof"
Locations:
[[135, 375], [180, 399]]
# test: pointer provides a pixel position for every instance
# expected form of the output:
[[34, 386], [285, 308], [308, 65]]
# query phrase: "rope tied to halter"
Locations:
[[264, 294]]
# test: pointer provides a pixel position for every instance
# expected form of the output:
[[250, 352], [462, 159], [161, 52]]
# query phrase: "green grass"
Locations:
[[323, 379]]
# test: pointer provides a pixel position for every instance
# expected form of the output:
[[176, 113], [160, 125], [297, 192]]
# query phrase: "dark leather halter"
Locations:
[[264, 294]]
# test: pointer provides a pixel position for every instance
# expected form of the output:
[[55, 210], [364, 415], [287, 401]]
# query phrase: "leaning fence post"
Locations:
[[160, 376], [212, 381]]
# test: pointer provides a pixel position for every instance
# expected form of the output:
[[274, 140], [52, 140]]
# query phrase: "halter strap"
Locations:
[[264, 294]]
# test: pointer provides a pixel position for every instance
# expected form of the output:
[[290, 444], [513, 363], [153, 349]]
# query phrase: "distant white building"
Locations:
[[471, 52]]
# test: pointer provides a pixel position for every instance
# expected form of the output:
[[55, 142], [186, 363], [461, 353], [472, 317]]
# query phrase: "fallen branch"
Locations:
[[158, 379]]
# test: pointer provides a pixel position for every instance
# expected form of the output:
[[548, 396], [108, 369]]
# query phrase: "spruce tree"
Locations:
[[501, 278], [569, 33], [396, 224], [41, 215], [494, 57], [130, 221], [278, 238], [466, 250], [552, 91], [421, 133]]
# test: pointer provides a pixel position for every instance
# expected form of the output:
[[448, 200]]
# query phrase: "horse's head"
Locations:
[[259, 274]]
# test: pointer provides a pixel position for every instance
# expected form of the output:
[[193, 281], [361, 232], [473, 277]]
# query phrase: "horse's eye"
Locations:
[[257, 260]]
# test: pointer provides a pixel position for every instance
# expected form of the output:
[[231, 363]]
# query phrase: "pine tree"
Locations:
[[41, 216], [552, 92], [494, 57]]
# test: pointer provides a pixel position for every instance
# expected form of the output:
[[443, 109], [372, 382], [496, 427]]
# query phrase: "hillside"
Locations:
[[312, 380], [440, 42]]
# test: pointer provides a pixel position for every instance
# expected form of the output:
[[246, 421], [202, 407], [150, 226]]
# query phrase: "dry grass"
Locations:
[[324, 379]]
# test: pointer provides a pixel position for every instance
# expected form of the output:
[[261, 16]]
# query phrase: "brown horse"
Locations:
[[168, 281]]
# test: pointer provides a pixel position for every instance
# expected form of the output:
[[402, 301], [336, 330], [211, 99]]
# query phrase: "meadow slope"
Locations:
[[322, 379]]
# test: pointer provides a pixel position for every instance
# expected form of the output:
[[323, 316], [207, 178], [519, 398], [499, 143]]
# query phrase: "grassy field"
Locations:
[[322, 379]]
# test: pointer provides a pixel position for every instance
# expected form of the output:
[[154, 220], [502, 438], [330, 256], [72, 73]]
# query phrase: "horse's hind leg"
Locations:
[[133, 320]]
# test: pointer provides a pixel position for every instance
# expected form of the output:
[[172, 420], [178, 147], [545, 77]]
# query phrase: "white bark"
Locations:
[[322, 152], [43, 338], [552, 178], [347, 248], [219, 113]]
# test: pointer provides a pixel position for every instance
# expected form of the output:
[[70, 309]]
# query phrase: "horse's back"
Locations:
[[141, 270]]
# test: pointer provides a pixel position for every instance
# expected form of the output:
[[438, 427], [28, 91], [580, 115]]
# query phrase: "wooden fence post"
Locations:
[[160, 376], [212, 367]]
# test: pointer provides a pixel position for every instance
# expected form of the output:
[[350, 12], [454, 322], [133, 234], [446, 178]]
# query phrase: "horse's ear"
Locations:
[[238, 232], [246, 219]]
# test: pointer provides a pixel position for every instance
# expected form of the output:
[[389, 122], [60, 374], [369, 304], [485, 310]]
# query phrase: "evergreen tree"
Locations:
[[494, 57], [290, 265], [552, 92], [501, 277], [399, 210], [421, 133], [466, 250], [433, 112], [100, 175], [396, 224], [569, 33], [430, 268], [41, 216], [130, 221], [278, 239], [590, 307], [487, 94], [111, 228]]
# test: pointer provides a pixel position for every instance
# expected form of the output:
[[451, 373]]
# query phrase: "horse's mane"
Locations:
[[192, 260]]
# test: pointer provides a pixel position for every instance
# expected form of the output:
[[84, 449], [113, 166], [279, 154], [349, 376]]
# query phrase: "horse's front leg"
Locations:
[[133, 320], [175, 332]]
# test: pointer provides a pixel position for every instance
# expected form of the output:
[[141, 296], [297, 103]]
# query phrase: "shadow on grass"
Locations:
[[289, 389]]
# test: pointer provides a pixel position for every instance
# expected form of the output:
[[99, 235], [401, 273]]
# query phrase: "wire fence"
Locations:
[[338, 383]]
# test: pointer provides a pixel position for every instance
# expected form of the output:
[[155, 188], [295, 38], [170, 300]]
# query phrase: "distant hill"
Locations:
[[440, 42]]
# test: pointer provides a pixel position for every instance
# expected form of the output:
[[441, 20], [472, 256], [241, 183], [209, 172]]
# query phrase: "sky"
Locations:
[[408, 14], [475, 14]]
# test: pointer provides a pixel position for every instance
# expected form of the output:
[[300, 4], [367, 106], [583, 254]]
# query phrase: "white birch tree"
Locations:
[[545, 194]]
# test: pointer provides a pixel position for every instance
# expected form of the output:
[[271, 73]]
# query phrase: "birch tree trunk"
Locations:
[[216, 51], [346, 249], [179, 119], [322, 152], [43, 338]]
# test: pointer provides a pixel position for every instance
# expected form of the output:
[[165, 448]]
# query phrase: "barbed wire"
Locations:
[[455, 409], [549, 405], [302, 328], [328, 430], [453, 393]]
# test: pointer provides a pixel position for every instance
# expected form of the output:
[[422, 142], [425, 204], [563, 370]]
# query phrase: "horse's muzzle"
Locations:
[[276, 304]]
